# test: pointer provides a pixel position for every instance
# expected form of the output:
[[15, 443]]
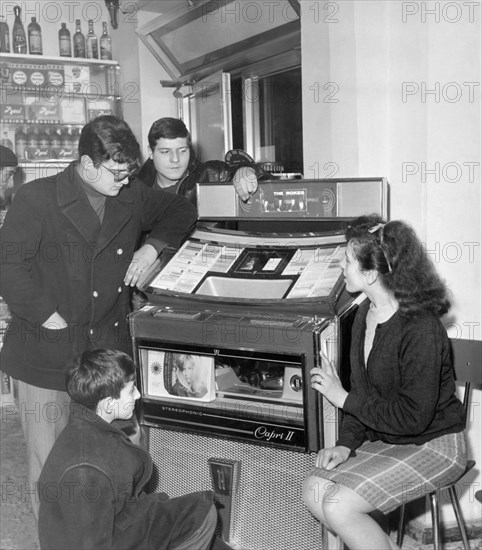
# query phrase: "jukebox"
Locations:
[[235, 321]]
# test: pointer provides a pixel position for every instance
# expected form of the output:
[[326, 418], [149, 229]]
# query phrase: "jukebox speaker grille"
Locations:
[[268, 512]]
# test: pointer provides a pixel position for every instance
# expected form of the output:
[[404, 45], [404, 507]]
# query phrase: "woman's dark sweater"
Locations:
[[405, 394]]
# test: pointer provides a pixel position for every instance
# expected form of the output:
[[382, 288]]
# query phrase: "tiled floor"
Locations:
[[18, 530]]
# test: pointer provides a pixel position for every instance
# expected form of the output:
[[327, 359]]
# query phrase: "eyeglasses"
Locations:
[[119, 175]]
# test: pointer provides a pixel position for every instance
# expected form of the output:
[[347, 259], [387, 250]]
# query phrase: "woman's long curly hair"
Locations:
[[404, 268]]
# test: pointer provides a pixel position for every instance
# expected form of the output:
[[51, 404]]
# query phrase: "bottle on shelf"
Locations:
[[55, 143], [4, 35], [79, 40], [65, 144], [21, 143], [32, 143], [43, 151], [75, 141], [34, 37], [105, 43], [19, 40], [6, 141], [91, 42], [65, 44]]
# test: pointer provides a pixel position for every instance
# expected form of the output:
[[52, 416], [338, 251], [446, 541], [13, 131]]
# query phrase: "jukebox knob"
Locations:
[[296, 382]]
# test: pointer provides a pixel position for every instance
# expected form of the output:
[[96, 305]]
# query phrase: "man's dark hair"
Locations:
[[168, 128], [108, 137], [98, 374]]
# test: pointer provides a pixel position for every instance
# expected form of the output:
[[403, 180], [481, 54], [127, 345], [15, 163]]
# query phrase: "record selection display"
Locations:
[[300, 271]]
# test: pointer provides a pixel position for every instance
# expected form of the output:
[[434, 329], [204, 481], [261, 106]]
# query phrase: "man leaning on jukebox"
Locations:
[[69, 255]]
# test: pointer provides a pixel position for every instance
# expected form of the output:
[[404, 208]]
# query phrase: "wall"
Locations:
[[157, 102], [393, 89]]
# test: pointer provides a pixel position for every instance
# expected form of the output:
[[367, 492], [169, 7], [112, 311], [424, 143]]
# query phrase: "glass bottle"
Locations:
[[65, 45], [75, 141], [79, 40], [55, 144], [32, 143], [6, 141], [4, 35], [91, 42], [105, 43], [20, 143], [19, 40], [43, 144], [34, 37], [66, 144]]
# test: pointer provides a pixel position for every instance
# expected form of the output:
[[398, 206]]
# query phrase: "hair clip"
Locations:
[[375, 228]]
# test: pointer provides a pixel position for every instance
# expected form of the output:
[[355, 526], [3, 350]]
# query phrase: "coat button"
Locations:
[[95, 294], [119, 251]]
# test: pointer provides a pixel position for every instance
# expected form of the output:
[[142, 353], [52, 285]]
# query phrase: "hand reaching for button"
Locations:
[[326, 381], [141, 262]]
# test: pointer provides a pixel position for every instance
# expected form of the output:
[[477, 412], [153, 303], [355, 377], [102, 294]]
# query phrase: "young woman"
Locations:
[[188, 383], [402, 432]]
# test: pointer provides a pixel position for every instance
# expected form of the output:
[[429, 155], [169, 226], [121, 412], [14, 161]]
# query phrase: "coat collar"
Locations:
[[74, 203], [80, 415]]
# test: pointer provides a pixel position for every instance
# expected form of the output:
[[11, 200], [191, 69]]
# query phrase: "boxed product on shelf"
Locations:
[[100, 107], [72, 111], [32, 75], [13, 111], [77, 79], [42, 111]]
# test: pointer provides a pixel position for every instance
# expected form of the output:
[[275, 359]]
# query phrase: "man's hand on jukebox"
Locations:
[[245, 182], [141, 262]]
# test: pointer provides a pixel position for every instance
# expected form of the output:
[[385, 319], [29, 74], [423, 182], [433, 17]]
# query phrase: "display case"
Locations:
[[47, 100]]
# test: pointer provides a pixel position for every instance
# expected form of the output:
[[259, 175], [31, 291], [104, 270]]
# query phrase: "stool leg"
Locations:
[[435, 520], [458, 515], [401, 526]]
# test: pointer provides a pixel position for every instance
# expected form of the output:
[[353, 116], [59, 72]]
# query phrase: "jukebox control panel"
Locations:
[[241, 266], [296, 200]]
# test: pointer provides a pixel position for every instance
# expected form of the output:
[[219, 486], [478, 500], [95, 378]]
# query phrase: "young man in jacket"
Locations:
[[92, 485], [68, 252], [173, 165]]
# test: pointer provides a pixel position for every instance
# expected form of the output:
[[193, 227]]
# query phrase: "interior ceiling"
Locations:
[[159, 6]]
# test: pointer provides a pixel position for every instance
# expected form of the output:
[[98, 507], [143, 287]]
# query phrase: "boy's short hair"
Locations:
[[168, 128], [108, 137], [98, 374]]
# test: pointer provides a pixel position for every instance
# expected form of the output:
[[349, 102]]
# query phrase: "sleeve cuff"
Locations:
[[157, 244], [352, 404]]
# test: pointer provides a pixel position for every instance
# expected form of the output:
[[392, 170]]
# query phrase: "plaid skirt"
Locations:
[[387, 475]]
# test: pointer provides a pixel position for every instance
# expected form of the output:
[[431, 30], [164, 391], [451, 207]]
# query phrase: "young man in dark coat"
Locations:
[[92, 485], [68, 252]]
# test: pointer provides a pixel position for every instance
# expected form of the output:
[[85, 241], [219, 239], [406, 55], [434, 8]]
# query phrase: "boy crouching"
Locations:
[[92, 485]]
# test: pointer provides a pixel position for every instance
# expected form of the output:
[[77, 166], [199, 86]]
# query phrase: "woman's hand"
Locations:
[[333, 456], [325, 380], [141, 261]]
